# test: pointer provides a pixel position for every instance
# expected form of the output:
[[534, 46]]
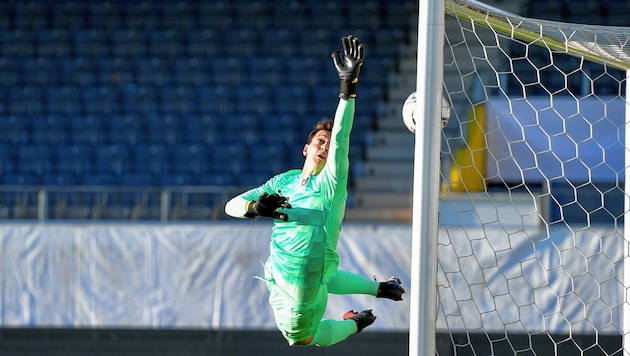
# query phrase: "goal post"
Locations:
[[531, 250]]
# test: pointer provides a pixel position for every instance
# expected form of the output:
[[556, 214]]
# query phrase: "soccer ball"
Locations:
[[409, 108]]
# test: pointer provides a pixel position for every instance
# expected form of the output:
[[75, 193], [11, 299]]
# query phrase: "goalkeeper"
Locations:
[[308, 206]]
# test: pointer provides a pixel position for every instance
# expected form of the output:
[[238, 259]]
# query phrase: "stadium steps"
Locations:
[[384, 192]]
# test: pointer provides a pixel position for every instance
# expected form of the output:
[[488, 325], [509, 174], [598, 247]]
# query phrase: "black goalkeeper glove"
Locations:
[[267, 206], [348, 66]]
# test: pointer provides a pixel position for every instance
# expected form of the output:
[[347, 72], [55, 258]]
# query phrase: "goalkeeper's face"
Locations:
[[316, 151]]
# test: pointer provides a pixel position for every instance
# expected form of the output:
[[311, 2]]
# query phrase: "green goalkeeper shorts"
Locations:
[[297, 311]]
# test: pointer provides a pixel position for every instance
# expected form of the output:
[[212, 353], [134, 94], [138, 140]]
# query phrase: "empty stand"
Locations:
[[174, 93]]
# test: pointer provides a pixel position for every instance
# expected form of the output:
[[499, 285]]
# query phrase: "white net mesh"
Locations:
[[531, 243]]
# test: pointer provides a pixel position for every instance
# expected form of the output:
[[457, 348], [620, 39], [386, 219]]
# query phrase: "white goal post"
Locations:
[[519, 203]]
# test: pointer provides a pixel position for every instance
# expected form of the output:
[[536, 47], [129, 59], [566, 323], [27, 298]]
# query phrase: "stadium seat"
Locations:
[[127, 43], [33, 159], [73, 159], [10, 71], [150, 158], [139, 101], [90, 43], [218, 100], [99, 100], [177, 179], [177, 100], [17, 44], [26, 101], [265, 71], [189, 159], [203, 43], [51, 44], [37, 71], [112, 159], [151, 72], [88, 130], [162, 129], [63, 101], [229, 158], [114, 71], [50, 130], [201, 130], [164, 43], [126, 130], [190, 72]]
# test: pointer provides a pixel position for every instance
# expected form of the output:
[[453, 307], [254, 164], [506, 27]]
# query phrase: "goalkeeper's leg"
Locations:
[[349, 283]]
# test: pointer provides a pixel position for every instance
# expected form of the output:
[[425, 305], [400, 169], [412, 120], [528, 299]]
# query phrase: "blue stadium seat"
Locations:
[[163, 129], [33, 159], [37, 71], [103, 15], [215, 15], [7, 162], [14, 130], [201, 130], [190, 72], [126, 130], [227, 70], [10, 71], [127, 43], [204, 43], [190, 158], [229, 158], [265, 71], [252, 100], [219, 178], [151, 158], [53, 43], [178, 15], [88, 130], [90, 43], [164, 43], [59, 179], [278, 42], [151, 72], [139, 101], [20, 179], [216, 100], [290, 100], [50, 130], [17, 44], [76, 71], [26, 101], [74, 159], [138, 178], [112, 159], [63, 101], [241, 42], [179, 100], [114, 71], [177, 179], [99, 100]]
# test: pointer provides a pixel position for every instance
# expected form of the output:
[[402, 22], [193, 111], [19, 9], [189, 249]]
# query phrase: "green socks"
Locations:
[[331, 332], [349, 283]]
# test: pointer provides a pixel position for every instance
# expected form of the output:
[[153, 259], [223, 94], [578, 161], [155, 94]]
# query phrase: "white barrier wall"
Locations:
[[202, 276]]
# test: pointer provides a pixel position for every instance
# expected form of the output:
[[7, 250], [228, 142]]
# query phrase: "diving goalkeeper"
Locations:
[[308, 207]]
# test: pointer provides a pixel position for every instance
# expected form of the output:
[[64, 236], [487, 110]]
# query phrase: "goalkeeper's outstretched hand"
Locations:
[[348, 65], [267, 206]]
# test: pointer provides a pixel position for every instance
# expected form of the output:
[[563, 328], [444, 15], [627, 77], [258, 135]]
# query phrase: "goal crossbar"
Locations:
[[612, 50]]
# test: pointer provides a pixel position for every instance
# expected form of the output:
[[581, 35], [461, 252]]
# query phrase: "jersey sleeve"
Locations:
[[335, 174]]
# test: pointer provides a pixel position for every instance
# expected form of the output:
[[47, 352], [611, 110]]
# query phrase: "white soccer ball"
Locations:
[[409, 108]]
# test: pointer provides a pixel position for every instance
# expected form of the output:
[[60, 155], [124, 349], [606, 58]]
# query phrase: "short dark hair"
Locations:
[[323, 124]]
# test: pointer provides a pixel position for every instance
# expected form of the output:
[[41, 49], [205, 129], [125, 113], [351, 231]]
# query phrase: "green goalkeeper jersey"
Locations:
[[303, 249]]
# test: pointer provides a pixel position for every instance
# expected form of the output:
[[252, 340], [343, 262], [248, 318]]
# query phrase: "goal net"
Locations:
[[531, 248]]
